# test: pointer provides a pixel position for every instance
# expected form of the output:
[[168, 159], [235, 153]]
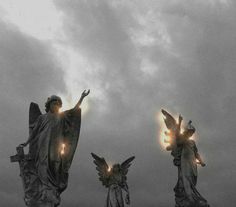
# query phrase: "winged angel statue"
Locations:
[[186, 158], [53, 139], [114, 178]]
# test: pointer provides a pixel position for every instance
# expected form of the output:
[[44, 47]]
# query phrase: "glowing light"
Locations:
[[63, 147], [60, 110], [109, 169], [69, 102]]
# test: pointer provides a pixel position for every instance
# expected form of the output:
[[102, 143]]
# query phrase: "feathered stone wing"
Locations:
[[125, 167], [102, 168], [34, 113], [169, 121]]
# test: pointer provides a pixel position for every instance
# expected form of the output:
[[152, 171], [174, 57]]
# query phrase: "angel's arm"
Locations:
[[83, 95], [197, 155], [201, 162]]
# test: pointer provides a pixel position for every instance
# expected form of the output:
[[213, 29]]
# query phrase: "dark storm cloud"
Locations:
[[28, 73], [179, 55], [193, 74]]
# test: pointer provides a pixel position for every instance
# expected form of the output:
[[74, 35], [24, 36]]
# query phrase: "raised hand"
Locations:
[[85, 93]]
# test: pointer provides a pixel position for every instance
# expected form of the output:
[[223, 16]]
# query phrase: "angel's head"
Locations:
[[189, 130], [116, 168], [53, 104]]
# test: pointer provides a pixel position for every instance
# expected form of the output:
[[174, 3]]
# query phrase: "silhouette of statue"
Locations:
[[53, 139], [186, 158], [114, 178]]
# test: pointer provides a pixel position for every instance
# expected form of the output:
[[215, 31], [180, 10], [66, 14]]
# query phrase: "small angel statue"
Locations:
[[114, 178]]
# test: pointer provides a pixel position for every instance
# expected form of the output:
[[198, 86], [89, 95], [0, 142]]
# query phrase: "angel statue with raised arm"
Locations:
[[53, 138], [186, 158], [114, 178]]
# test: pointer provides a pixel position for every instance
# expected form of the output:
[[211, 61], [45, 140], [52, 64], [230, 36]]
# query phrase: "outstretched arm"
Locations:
[[83, 95], [198, 157]]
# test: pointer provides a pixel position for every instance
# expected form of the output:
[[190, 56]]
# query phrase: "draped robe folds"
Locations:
[[114, 196], [47, 173], [185, 190]]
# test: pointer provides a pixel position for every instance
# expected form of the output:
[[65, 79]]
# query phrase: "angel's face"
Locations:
[[55, 106]]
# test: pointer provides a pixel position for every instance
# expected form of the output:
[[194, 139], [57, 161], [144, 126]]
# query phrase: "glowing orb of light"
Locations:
[[109, 169], [63, 147]]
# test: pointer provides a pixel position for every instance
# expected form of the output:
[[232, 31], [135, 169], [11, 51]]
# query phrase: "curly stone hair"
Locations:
[[50, 99]]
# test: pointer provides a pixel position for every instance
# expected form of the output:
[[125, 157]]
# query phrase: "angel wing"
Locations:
[[169, 121], [34, 113], [172, 125], [125, 166], [102, 168]]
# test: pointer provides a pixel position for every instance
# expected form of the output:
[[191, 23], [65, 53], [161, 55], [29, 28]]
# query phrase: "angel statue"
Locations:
[[53, 138], [186, 158], [114, 178]]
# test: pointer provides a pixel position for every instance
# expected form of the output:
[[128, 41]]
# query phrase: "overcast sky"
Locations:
[[136, 57]]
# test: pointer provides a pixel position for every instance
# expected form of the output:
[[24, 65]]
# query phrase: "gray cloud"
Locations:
[[191, 77], [176, 55], [28, 73]]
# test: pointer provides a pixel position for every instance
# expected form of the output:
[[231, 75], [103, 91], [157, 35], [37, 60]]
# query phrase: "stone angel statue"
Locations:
[[53, 139], [186, 158], [115, 179]]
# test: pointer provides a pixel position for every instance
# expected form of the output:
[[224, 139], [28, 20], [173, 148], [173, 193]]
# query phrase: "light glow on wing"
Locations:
[[161, 135]]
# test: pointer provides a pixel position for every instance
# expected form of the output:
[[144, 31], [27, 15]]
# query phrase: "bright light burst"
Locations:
[[63, 147], [109, 169], [163, 135]]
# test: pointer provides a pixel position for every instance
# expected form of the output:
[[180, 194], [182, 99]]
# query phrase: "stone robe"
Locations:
[[114, 196], [186, 194], [47, 173]]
